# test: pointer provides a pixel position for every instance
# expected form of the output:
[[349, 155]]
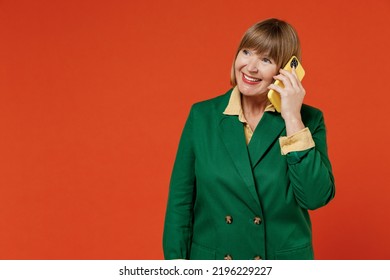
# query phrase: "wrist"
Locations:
[[293, 125]]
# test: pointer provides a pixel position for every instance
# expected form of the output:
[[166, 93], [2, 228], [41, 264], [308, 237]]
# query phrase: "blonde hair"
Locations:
[[274, 37]]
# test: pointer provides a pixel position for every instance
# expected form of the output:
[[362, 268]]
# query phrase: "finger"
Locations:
[[277, 88], [298, 81], [284, 79], [292, 76], [299, 84], [294, 72]]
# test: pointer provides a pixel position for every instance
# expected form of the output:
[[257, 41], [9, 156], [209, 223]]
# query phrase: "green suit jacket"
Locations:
[[229, 200]]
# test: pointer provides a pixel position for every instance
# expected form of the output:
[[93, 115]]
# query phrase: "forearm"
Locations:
[[294, 125], [311, 178], [309, 167]]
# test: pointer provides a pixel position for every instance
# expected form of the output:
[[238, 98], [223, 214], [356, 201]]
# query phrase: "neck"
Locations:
[[254, 105]]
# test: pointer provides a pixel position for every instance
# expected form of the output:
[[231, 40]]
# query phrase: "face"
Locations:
[[254, 72]]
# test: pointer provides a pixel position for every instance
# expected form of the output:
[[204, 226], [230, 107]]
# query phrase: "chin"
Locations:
[[248, 92]]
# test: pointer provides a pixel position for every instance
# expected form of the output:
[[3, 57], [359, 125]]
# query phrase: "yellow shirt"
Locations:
[[299, 141]]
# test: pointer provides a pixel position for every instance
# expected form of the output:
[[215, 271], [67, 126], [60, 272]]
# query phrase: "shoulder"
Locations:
[[310, 111], [311, 116], [213, 105]]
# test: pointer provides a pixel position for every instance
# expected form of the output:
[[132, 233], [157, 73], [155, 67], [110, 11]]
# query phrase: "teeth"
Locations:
[[251, 79]]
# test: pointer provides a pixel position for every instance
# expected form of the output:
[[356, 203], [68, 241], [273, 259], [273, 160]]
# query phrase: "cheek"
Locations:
[[240, 62], [237, 69], [237, 65], [269, 76]]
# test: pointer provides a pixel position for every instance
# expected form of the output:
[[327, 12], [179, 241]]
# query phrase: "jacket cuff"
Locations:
[[299, 141]]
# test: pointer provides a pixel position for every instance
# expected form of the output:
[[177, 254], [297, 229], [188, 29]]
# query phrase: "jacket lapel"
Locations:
[[233, 137], [266, 133]]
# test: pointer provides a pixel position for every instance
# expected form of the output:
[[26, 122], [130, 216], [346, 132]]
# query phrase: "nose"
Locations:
[[253, 66]]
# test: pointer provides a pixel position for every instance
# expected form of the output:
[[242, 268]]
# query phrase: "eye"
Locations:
[[246, 52], [267, 60]]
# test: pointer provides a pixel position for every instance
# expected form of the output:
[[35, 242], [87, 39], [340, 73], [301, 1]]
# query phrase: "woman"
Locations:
[[245, 175]]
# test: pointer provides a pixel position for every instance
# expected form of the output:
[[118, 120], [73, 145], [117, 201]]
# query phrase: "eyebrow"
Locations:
[[267, 55]]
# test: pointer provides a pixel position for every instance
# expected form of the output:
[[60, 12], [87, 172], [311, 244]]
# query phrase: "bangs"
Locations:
[[269, 43]]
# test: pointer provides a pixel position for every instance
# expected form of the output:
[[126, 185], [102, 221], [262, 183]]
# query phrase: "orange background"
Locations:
[[94, 95]]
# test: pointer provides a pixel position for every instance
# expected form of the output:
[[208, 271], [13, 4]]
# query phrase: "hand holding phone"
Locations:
[[273, 95]]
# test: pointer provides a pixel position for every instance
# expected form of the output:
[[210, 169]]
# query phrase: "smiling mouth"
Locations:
[[250, 80]]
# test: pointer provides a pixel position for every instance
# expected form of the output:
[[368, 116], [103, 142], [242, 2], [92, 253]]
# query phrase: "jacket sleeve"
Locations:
[[310, 170], [179, 213]]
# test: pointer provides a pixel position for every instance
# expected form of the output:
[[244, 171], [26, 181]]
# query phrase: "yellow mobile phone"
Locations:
[[274, 96]]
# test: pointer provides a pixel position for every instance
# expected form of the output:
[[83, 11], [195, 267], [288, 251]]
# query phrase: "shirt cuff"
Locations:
[[299, 141]]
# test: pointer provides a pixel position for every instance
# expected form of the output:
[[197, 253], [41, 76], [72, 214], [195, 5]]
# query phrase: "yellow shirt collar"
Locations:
[[234, 107]]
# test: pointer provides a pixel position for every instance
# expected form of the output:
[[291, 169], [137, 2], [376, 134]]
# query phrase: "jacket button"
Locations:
[[228, 257], [258, 258], [257, 220], [229, 219]]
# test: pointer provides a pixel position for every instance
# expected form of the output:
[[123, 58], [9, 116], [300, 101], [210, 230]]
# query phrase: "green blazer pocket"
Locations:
[[199, 252], [303, 252]]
